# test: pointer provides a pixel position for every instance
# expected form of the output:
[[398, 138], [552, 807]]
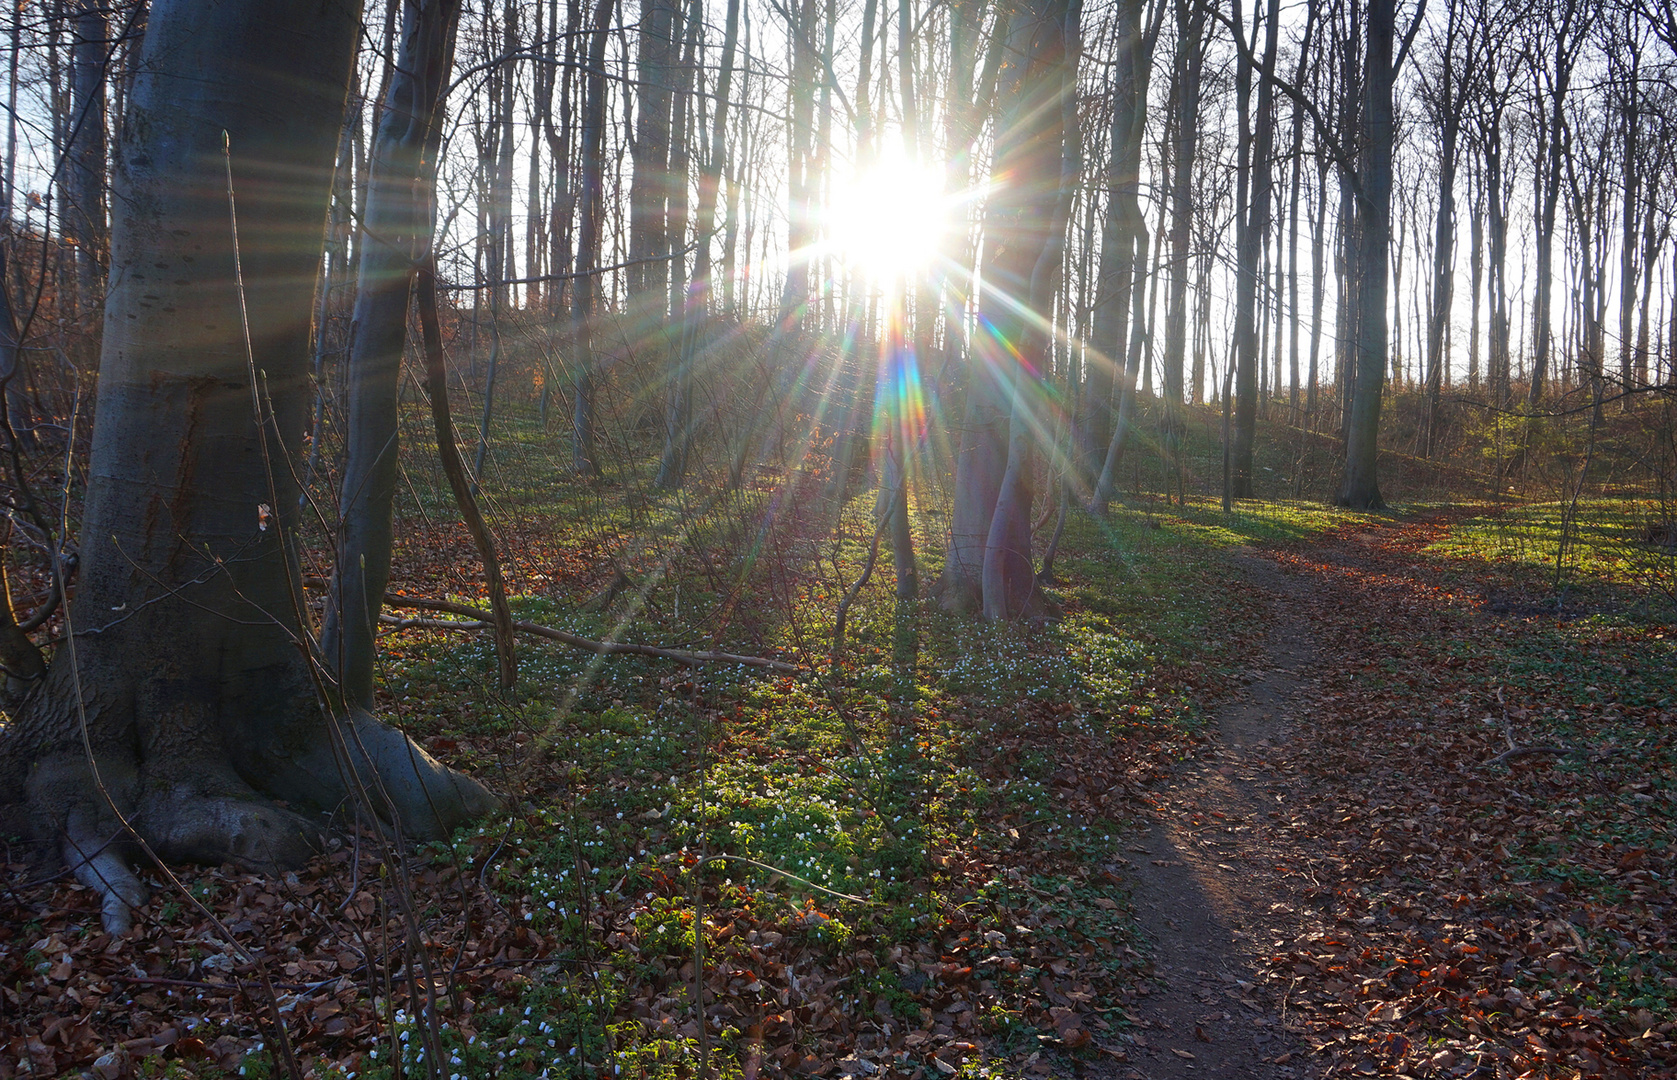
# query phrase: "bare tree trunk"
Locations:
[[396, 222], [734, 173], [1653, 240], [86, 223], [448, 451], [676, 220], [1030, 148], [1630, 118], [1573, 23], [196, 696], [649, 188], [1190, 58], [8, 199], [1124, 248], [898, 442], [1318, 276], [1361, 489], [1250, 251], [1496, 193], [1476, 272], [1448, 115], [588, 241], [1295, 191], [563, 203], [1111, 307], [1202, 321], [988, 566], [800, 176], [672, 468], [335, 273]]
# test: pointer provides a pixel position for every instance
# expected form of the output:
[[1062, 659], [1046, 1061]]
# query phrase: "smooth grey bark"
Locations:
[[1110, 307], [187, 671], [981, 454], [9, 195], [1590, 216], [1655, 231], [857, 380], [678, 437], [1190, 60], [895, 445], [1126, 241], [503, 260], [1028, 150], [583, 289], [396, 223], [916, 147], [562, 205], [1568, 37], [800, 176], [1629, 182], [904, 346], [541, 98], [679, 210], [972, 87], [1476, 273], [1348, 225], [1027, 147], [86, 179], [1445, 102], [1295, 192], [1499, 361], [1249, 253], [650, 184], [507, 266], [335, 270], [1360, 489]]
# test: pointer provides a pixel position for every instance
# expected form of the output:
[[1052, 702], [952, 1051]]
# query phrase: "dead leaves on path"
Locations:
[[1462, 918]]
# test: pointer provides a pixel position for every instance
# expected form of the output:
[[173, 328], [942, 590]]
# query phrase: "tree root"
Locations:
[[196, 810], [97, 862], [404, 785]]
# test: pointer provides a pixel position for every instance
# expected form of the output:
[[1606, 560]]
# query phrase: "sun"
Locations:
[[889, 220]]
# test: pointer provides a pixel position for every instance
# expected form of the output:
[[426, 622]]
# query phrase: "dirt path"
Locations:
[[1206, 892]]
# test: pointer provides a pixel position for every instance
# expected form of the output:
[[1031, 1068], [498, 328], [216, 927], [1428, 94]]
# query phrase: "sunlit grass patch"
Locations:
[[1623, 542], [1253, 521]]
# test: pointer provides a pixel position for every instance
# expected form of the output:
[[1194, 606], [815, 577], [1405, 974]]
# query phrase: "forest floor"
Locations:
[[1432, 838], [1385, 808]]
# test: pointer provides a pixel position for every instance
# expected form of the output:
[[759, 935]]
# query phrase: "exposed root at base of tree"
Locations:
[[118, 810]]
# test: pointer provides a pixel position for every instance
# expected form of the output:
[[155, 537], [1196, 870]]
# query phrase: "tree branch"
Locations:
[[600, 648]]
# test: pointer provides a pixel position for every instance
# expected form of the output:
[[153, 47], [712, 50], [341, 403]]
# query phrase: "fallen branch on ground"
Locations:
[[1516, 752], [601, 648]]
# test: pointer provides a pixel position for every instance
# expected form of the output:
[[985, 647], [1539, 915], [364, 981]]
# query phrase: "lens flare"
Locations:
[[889, 220]]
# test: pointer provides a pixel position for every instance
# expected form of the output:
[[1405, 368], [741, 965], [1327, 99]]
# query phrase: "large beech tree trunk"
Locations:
[[1190, 60], [1360, 489], [586, 284], [1247, 339], [184, 700], [1124, 245], [989, 561], [86, 172], [678, 437]]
